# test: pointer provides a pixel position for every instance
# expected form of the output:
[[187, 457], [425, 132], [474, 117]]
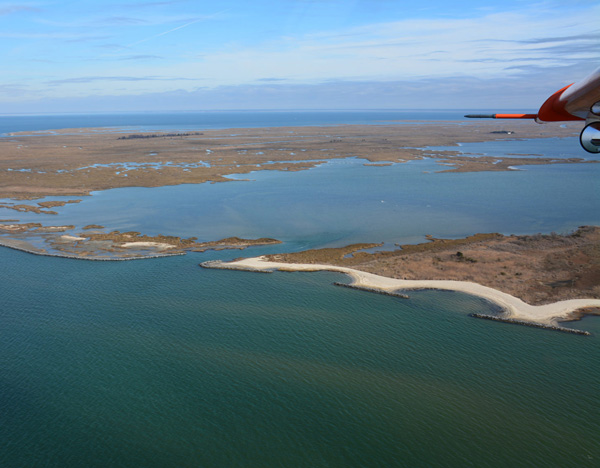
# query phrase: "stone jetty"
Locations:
[[527, 323]]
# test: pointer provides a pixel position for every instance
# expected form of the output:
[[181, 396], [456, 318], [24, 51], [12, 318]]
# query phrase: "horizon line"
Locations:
[[333, 109]]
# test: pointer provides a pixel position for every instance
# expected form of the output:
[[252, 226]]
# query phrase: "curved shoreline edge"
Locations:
[[89, 258], [516, 310]]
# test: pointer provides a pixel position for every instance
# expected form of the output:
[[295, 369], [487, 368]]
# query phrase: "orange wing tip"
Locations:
[[501, 116], [553, 110], [516, 116]]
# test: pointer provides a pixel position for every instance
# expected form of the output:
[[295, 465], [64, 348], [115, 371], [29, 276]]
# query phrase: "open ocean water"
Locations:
[[162, 363], [218, 119]]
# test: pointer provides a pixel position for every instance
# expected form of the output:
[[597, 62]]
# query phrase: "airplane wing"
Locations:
[[578, 101]]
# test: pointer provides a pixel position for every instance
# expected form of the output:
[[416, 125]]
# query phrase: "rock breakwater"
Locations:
[[527, 323]]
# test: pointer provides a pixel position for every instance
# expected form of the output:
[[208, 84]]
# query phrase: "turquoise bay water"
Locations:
[[162, 363], [343, 201]]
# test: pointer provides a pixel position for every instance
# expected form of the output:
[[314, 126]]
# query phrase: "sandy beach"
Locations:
[[539, 269], [156, 245], [514, 307], [71, 238]]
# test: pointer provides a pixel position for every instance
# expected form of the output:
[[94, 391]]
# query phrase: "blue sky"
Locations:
[[131, 55]]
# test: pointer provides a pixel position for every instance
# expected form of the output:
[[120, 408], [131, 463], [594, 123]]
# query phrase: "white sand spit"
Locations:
[[55, 228], [71, 238], [11, 227], [516, 308], [157, 245]]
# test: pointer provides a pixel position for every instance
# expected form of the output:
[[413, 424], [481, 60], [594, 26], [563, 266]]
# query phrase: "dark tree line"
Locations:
[[136, 136]]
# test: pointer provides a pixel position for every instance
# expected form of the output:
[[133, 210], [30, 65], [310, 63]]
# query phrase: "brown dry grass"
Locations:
[[538, 269], [54, 162]]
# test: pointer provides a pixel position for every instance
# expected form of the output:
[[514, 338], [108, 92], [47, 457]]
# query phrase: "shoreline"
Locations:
[[114, 245], [516, 310], [538, 269], [34, 251]]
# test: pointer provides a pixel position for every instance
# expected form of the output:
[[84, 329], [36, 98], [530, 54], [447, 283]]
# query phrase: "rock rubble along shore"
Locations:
[[531, 324]]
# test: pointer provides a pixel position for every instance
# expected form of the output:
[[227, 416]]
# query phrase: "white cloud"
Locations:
[[522, 44], [411, 49]]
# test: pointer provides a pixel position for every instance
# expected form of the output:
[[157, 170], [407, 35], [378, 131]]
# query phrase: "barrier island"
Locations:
[[538, 280]]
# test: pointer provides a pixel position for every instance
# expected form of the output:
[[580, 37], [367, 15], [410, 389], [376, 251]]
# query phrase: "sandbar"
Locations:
[[538, 269], [514, 307], [66, 237], [159, 245]]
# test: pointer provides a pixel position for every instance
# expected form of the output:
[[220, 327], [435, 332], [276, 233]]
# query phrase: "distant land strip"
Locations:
[[75, 162]]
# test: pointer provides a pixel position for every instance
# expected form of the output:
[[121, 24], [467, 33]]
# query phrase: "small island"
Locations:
[[95, 244]]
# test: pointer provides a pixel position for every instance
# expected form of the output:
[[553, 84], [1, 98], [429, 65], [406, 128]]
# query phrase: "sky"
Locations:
[[145, 55]]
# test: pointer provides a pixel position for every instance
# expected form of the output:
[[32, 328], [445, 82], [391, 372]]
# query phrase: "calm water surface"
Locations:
[[162, 363], [218, 119], [343, 201]]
